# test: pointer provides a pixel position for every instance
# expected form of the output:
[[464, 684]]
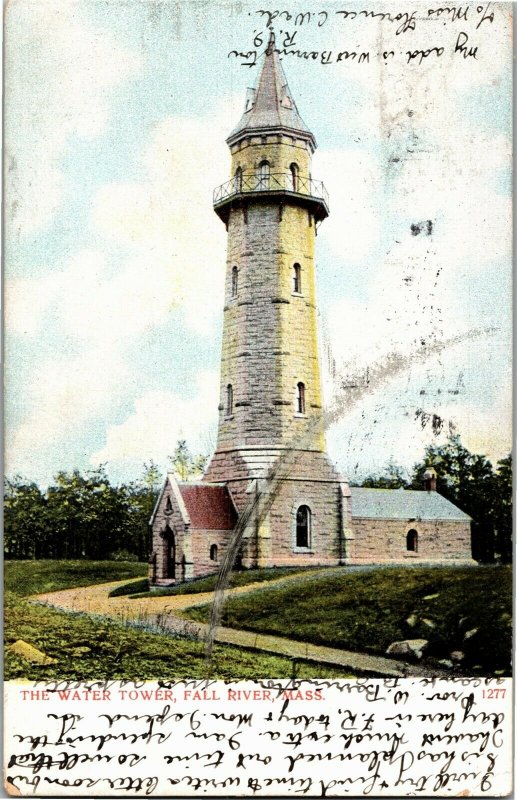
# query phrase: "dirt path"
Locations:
[[165, 615]]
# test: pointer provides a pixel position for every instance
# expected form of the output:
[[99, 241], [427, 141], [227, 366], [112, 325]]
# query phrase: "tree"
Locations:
[[503, 509], [87, 514], [394, 478], [184, 464], [25, 520]]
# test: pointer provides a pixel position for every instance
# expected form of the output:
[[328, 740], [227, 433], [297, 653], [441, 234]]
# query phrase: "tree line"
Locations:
[[86, 516]]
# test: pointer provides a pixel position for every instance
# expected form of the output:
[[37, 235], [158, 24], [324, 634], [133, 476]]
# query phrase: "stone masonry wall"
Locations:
[[378, 541], [202, 540]]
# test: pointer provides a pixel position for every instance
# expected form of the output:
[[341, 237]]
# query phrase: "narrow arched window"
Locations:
[[229, 400], [168, 506], [294, 177], [297, 279], [235, 281], [300, 398], [303, 527], [412, 541], [213, 552], [264, 173], [238, 179]]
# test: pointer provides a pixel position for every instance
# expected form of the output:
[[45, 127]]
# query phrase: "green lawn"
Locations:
[[35, 577], [140, 588], [91, 648], [367, 610]]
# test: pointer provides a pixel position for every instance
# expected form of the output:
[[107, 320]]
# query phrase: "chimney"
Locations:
[[430, 480]]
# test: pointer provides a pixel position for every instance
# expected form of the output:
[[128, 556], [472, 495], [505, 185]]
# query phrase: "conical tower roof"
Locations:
[[270, 106]]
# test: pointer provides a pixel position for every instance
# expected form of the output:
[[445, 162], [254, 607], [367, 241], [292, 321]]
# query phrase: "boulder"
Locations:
[[457, 655], [408, 647], [412, 620], [429, 622], [31, 653], [470, 634], [431, 596]]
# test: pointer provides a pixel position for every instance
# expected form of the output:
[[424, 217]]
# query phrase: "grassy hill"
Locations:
[[87, 648], [464, 611]]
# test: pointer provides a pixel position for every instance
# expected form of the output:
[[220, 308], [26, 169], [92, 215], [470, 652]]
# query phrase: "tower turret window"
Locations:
[[238, 179], [297, 279], [412, 541], [264, 173], [229, 400], [300, 398], [294, 177], [303, 527], [235, 281], [213, 552]]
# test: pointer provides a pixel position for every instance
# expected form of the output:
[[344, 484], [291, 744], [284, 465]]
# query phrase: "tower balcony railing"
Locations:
[[300, 185]]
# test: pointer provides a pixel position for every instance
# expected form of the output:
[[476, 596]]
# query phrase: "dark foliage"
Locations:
[[79, 517]]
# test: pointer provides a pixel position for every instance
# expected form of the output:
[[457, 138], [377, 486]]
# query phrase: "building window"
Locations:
[[213, 552], [168, 506], [300, 398], [303, 527], [294, 177], [412, 541], [229, 400], [264, 173], [297, 279], [238, 179], [235, 281]]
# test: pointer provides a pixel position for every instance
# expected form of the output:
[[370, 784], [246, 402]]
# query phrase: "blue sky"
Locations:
[[115, 126]]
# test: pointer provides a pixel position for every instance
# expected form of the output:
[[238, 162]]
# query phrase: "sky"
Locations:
[[116, 119]]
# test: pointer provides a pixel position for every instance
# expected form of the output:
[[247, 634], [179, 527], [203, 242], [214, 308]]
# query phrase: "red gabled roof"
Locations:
[[208, 506]]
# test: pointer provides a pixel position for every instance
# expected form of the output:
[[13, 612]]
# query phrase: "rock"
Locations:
[[429, 623], [446, 663], [463, 621], [408, 647], [457, 655], [412, 620], [431, 596], [470, 634], [31, 653], [77, 652]]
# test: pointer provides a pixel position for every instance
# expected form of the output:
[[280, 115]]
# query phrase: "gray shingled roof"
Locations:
[[272, 104], [402, 504]]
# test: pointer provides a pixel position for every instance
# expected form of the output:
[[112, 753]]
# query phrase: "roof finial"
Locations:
[[271, 43]]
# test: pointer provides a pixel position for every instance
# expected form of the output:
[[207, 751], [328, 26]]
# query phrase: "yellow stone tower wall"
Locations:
[[270, 339]]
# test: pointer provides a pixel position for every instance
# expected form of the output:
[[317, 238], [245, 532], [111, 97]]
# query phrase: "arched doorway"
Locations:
[[169, 561]]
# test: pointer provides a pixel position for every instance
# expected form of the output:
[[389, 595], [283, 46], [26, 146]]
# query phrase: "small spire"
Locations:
[[271, 106]]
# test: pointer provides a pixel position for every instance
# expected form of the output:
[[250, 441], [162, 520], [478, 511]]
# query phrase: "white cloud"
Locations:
[[65, 396], [158, 421], [352, 178], [61, 73], [174, 242]]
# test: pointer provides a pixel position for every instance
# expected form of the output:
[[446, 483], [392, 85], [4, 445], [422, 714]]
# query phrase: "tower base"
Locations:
[[280, 482]]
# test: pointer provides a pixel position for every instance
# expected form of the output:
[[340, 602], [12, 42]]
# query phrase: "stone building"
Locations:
[[270, 474]]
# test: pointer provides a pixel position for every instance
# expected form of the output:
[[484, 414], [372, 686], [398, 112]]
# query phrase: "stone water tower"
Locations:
[[270, 409]]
